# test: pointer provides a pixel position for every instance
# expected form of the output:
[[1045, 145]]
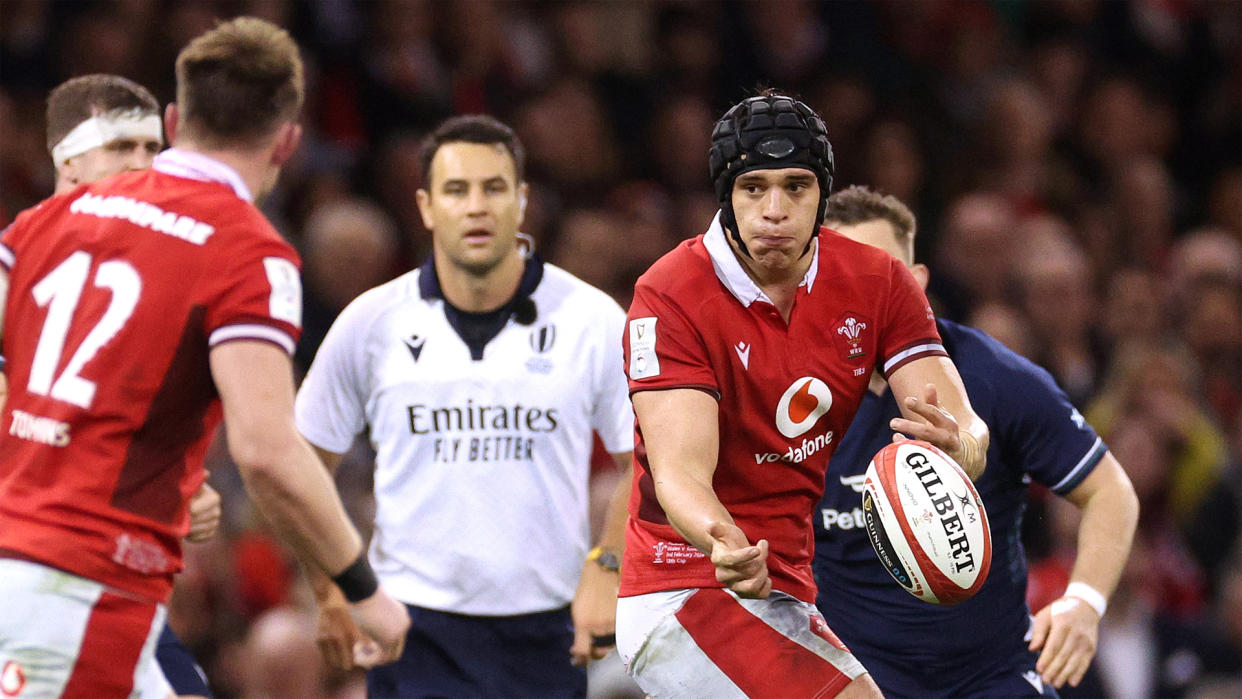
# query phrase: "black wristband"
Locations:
[[358, 581]]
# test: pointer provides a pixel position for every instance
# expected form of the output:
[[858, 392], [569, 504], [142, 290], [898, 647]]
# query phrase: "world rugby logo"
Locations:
[[804, 402]]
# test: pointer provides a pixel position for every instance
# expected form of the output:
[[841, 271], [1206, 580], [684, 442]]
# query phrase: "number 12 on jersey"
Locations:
[[60, 292]]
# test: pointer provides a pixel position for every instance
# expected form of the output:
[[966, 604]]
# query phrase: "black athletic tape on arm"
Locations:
[[358, 581]]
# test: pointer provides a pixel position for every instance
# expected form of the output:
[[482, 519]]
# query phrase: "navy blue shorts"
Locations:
[[1009, 673], [454, 655], [179, 666]]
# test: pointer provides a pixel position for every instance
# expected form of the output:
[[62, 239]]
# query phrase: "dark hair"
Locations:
[[76, 100], [858, 204], [237, 83], [472, 128]]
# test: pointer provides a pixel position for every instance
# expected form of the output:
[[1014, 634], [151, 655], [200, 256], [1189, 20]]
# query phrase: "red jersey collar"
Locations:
[[196, 166], [730, 272]]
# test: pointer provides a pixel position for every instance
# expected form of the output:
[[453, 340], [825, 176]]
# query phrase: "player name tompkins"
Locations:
[[140, 213]]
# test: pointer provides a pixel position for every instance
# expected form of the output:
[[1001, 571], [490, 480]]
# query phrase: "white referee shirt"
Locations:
[[482, 466]]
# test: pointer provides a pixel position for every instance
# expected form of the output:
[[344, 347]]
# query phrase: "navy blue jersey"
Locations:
[[921, 649]]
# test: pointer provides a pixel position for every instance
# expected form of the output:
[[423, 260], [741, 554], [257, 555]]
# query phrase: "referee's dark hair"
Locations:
[[473, 128]]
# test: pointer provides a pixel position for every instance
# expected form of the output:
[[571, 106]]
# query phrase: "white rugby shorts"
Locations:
[[61, 634], [711, 643]]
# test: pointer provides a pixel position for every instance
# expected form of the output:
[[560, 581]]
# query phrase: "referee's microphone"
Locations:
[[524, 311]]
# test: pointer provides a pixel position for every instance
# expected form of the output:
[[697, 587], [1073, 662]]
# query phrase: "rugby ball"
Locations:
[[926, 522]]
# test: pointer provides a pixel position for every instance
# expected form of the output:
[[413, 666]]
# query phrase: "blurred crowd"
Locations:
[[1075, 166]]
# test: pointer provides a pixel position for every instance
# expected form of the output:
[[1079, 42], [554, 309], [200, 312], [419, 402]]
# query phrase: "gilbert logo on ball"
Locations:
[[926, 522]]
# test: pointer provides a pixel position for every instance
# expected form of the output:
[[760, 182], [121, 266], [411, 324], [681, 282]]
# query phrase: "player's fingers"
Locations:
[[398, 649], [754, 588], [1068, 666], [343, 649], [728, 536], [337, 651], [367, 653], [750, 588], [334, 654], [1039, 630], [580, 650], [1077, 675], [917, 430], [1080, 649], [1058, 655], [734, 575], [1052, 646], [757, 585], [1067, 671], [735, 558], [931, 412]]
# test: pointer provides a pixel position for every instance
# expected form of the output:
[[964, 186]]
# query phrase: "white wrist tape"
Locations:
[[106, 128], [1064, 605], [1088, 594]]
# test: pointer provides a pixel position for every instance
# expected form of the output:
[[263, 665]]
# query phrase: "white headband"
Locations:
[[106, 128]]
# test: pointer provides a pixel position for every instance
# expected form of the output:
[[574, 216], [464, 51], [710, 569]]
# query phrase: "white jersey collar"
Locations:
[[730, 272], [196, 166]]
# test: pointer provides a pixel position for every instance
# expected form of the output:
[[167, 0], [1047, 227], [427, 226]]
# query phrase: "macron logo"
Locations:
[[415, 344], [743, 353]]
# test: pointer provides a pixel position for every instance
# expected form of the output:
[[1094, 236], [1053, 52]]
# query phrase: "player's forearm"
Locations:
[[1109, 518], [691, 507], [612, 536], [295, 493]]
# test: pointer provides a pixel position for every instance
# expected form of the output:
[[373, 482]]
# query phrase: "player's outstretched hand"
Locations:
[[742, 567], [337, 634], [935, 424], [204, 514], [385, 622], [594, 611], [1067, 631]]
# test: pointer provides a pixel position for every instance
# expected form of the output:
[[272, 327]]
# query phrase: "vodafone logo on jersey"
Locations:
[[804, 402]]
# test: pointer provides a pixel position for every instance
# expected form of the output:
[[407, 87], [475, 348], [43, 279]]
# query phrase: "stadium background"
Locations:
[[1076, 167]]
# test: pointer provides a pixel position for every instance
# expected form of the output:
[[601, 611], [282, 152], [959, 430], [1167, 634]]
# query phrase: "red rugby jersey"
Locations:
[[117, 291], [786, 391]]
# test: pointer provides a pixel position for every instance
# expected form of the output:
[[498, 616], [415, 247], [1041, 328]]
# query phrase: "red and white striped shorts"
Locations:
[[65, 635], [711, 643]]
